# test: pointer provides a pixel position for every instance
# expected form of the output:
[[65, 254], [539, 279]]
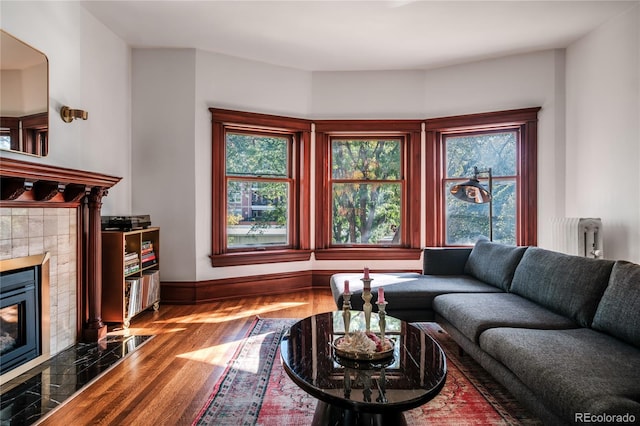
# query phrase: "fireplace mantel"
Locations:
[[27, 184]]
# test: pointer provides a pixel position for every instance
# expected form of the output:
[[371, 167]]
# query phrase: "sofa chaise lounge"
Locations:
[[561, 332]]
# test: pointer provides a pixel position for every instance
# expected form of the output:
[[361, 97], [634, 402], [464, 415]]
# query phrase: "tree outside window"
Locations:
[[366, 191], [506, 142], [258, 187], [467, 222]]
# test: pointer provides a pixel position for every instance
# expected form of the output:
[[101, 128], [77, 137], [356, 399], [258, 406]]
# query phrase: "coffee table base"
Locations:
[[331, 415]]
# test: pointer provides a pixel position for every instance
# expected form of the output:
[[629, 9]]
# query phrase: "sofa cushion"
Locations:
[[472, 314], [445, 261], [494, 263], [570, 371], [406, 291], [619, 310], [568, 285]]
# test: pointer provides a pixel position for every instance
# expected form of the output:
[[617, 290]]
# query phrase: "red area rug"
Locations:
[[255, 390]]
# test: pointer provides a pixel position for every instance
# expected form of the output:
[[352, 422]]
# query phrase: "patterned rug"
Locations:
[[255, 390]]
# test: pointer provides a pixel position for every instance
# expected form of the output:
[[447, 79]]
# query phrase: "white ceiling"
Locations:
[[356, 35]]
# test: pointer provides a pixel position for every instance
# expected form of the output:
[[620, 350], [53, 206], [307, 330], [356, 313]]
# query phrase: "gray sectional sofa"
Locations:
[[561, 332]]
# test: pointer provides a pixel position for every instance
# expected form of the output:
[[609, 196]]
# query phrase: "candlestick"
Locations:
[[382, 382], [346, 311], [382, 320], [366, 307]]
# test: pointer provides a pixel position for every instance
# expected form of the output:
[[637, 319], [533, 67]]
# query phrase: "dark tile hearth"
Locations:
[[40, 390]]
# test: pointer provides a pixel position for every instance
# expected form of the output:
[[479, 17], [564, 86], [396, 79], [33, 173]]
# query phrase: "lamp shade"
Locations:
[[471, 191]]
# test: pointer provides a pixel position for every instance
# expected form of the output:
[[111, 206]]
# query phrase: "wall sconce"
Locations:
[[68, 114], [472, 191]]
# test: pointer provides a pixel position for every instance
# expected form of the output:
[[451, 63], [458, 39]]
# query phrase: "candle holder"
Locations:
[[382, 321], [382, 383], [366, 307], [346, 311]]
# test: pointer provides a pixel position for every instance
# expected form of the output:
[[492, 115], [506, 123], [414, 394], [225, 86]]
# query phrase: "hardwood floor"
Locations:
[[169, 379]]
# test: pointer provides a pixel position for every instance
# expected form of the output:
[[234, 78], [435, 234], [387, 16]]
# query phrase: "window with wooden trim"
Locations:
[[367, 189], [506, 143], [260, 188]]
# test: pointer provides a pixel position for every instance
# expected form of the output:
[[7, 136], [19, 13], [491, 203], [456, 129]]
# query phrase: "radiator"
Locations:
[[578, 236]]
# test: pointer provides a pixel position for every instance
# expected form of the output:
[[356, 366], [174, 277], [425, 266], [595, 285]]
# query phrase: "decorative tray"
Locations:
[[386, 352]]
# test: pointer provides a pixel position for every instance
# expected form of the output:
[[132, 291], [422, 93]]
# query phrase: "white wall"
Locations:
[[226, 82], [603, 132], [89, 68], [521, 81], [174, 86], [163, 152], [368, 95]]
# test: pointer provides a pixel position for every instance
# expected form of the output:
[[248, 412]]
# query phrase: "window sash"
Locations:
[[256, 230], [298, 132], [524, 123], [360, 223]]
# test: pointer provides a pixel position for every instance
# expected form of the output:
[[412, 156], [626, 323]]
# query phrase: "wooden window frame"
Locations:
[[522, 120], [410, 131], [299, 203]]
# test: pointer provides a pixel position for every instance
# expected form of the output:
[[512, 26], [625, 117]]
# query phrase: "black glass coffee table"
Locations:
[[356, 392]]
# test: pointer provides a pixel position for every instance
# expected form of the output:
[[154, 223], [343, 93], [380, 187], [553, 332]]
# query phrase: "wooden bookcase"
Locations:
[[127, 290]]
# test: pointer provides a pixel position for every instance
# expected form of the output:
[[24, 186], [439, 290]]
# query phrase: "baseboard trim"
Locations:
[[197, 292]]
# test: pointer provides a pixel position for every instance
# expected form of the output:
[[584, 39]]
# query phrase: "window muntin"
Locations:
[[258, 188], [465, 222], [366, 191]]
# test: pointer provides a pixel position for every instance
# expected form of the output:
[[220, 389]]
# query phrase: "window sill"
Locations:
[[369, 253], [258, 257]]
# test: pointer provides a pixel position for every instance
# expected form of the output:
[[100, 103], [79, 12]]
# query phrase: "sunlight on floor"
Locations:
[[215, 355], [140, 331], [230, 315]]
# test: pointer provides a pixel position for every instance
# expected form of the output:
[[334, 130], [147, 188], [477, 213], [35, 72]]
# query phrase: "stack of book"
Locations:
[[131, 263], [148, 255]]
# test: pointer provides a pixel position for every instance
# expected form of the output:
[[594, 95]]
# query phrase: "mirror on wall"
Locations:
[[24, 97]]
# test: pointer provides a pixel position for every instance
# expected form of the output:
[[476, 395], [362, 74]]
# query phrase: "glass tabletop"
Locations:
[[412, 376]]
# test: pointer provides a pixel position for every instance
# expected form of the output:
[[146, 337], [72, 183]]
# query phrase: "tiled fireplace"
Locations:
[[36, 231], [53, 213]]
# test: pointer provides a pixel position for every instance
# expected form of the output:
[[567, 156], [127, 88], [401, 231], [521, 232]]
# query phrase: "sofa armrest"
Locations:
[[445, 260]]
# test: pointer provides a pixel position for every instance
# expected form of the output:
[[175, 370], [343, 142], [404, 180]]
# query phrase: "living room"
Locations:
[[588, 129]]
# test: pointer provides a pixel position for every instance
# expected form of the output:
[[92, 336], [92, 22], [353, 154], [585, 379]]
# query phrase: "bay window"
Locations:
[[367, 189], [260, 188], [506, 143]]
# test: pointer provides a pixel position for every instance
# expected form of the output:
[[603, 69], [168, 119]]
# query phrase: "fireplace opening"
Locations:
[[20, 338]]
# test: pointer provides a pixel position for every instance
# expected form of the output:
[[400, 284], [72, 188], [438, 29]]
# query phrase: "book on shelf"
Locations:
[[130, 256], [148, 257], [131, 263], [131, 269]]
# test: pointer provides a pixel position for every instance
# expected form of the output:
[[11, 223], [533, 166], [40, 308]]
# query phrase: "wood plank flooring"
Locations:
[[169, 379]]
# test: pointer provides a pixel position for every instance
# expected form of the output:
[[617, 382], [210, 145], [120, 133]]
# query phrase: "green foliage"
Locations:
[[262, 202], [257, 155], [466, 222], [366, 208]]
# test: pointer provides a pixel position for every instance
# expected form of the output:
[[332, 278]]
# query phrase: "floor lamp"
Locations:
[[472, 191]]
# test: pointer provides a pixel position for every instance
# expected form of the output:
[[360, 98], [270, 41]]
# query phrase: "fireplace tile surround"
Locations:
[[52, 211], [33, 231]]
